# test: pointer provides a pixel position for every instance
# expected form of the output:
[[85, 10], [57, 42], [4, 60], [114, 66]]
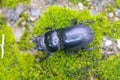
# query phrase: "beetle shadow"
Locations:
[[69, 51]]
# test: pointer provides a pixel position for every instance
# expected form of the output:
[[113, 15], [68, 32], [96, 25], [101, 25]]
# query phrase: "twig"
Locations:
[[2, 45]]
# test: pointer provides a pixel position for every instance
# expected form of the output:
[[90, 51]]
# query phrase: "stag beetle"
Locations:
[[68, 38], [73, 37]]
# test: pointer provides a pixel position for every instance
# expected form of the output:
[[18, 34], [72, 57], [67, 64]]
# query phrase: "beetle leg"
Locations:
[[45, 57], [92, 48], [66, 51], [48, 55], [91, 21], [81, 23], [83, 49], [32, 40], [71, 51], [74, 21], [48, 28]]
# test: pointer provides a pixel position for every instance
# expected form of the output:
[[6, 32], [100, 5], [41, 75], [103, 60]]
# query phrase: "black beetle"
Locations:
[[68, 38], [73, 37]]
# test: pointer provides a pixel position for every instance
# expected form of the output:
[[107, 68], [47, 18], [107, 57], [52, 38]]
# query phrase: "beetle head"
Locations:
[[40, 43]]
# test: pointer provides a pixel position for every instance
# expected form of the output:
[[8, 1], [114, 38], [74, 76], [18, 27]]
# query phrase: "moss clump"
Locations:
[[117, 3], [109, 69], [2, 21], [14, 65], [12, 3], [77, 1], [24, 43], [110, 8], [113, 30], [22, 22]]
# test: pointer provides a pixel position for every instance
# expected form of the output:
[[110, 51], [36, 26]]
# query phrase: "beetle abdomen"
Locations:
[[77, 36]]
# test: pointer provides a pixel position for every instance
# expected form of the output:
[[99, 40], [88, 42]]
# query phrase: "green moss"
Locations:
[[80, 66], [24, 16], [110, 8], [117, 3], [109, 69], [114, 30], [77, 1], [12, 3], [63, 17], [24, 43], [2, 21], [14, 65], [23, 19]]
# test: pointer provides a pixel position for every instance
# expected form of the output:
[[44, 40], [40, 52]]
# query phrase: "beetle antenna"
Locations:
[[74, 21], [33, 38], [43, 59], [92, 48], [53, 21], [91, 21]]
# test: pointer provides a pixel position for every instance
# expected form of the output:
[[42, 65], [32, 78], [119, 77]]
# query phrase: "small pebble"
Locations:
[[23, 23], [108, 43], [118, 43], [111, 14], [11, 15], [34, 1], [93, 12], [110, 47], [19, 9], [34, 12], [80, 6], [91, 7], [116, 19], [18, 32], [119, 15], [32, 19]]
